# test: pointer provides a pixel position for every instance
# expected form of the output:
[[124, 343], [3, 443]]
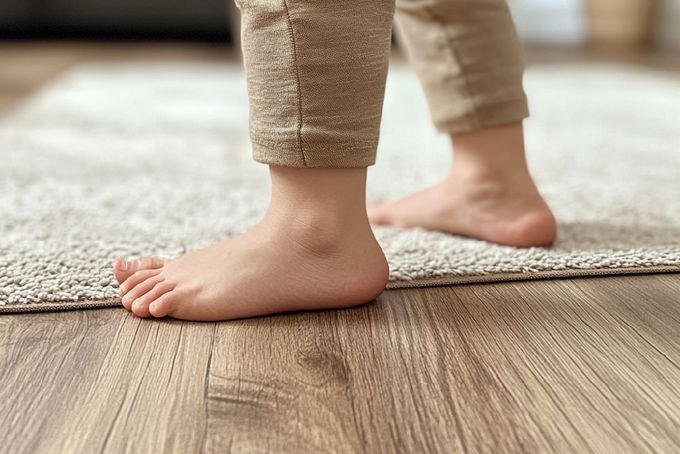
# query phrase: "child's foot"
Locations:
[[509, 213], [123, 269], [488, 195], [309, 252]]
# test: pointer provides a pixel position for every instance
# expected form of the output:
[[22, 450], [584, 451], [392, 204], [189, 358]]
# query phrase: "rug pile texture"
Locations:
[[126, 160]]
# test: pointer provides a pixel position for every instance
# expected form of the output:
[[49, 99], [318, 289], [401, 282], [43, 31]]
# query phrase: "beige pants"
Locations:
[[316, 72]]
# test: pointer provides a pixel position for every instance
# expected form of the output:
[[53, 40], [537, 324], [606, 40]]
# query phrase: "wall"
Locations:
[[563, 22], [549, 21]]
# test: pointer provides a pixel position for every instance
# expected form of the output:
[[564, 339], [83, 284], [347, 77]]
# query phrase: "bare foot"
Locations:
[[313, 250], [123, 269], [489, 194], [500, 212]]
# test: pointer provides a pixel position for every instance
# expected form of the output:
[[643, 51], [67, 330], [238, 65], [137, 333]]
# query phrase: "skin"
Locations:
[[315, 237], [488, 194], [314, 248]]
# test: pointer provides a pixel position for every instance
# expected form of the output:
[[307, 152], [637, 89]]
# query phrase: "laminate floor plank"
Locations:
[[516, 367], [101, 380]]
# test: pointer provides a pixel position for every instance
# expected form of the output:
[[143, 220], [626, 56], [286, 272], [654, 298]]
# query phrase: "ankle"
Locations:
[[322, 208], [495, 153], [475, 174], [324, 190]]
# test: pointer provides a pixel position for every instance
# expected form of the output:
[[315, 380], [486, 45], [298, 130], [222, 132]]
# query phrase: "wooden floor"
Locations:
[[583, 365]]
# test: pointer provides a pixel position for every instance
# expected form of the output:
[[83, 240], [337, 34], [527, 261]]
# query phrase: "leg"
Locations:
[[316, 74], [469, 60]]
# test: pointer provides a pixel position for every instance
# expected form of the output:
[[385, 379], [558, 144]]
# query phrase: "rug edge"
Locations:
[[58, 307], [530, 276], [393, 285]]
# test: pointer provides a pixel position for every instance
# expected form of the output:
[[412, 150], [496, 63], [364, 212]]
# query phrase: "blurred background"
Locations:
[[560, 22], [40, 38]]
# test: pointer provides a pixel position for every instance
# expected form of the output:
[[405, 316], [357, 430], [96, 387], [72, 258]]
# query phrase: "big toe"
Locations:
[[123, 269]]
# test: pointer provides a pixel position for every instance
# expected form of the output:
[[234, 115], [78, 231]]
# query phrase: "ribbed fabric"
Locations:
[[316, 72]]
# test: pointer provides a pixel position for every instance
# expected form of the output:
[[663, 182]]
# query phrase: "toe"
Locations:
[[140, 306], [136, 279], [140, 310], [165, 305], [123, 269], [140, 290]]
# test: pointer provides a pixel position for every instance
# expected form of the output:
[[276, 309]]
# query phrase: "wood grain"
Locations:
[[101, 380], [586, 365], [582, 365]]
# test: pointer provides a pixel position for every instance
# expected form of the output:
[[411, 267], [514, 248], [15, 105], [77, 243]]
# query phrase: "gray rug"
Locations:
[[125, 160]]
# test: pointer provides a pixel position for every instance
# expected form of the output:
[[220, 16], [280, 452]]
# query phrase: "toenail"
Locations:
[[124, 265], [137, 304]]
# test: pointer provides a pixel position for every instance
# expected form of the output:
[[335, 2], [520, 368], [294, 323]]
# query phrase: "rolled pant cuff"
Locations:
[[321, 155], [484, 116]]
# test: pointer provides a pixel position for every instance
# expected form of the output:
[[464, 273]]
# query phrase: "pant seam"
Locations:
[[298, 84], [456, 56], [349, 146]]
